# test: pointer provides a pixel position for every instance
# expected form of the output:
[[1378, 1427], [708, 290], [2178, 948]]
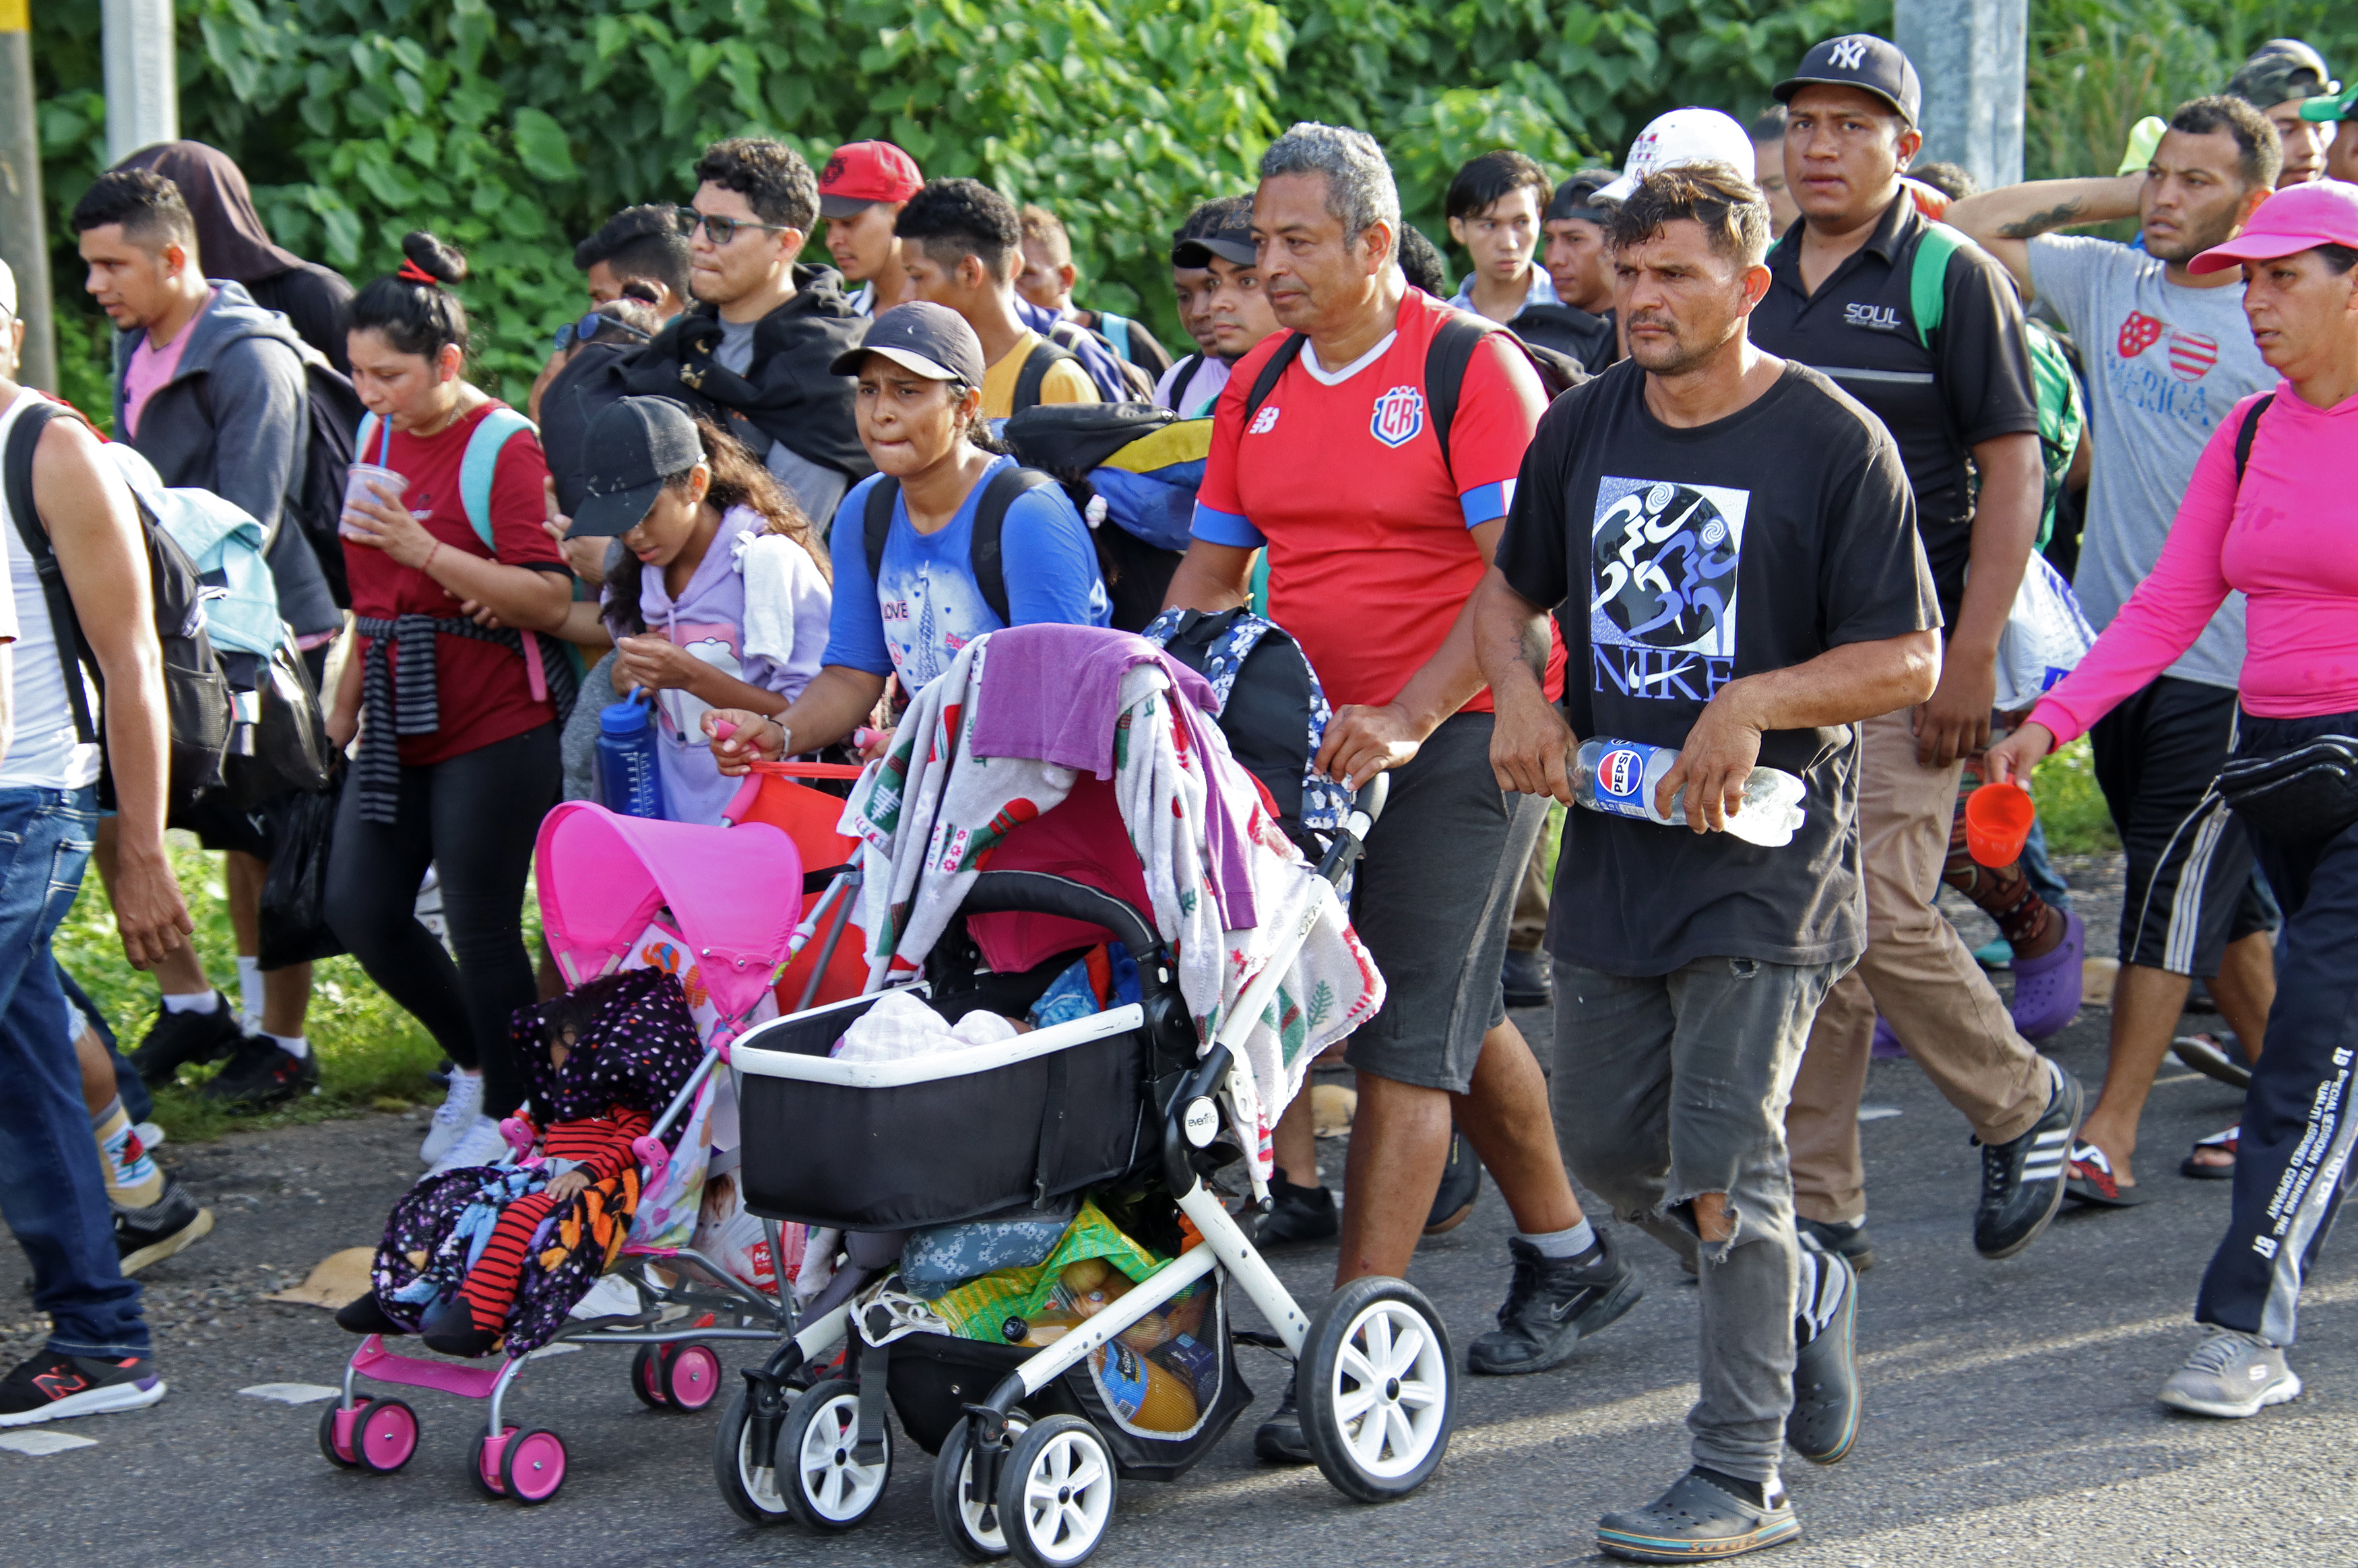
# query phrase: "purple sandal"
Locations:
[[2046, 989]]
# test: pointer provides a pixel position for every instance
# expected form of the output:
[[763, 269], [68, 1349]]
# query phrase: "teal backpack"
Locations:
[[2062, 411]]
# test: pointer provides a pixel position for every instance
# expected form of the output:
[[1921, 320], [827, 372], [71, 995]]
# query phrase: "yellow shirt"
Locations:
[[1066, 382]]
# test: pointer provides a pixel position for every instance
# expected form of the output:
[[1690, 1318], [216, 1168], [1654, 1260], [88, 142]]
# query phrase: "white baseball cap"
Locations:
[[1679, 138], [7, 290]]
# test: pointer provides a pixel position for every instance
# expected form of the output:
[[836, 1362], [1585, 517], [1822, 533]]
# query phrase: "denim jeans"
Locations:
[[1668, 1087], [51, 1191]]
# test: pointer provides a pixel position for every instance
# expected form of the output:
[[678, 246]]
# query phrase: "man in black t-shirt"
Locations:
[[1926, 331], [1730, 545]]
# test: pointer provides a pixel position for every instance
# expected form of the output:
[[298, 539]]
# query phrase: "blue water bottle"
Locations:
[[629, 783]]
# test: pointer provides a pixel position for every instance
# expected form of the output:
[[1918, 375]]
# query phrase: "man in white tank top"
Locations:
[[53, 1192]]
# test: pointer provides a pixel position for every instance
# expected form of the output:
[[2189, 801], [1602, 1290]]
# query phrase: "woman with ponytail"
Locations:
[[459, 756]]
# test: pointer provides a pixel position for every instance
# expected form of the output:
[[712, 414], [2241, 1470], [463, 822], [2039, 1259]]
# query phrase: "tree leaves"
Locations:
[[542, 147]]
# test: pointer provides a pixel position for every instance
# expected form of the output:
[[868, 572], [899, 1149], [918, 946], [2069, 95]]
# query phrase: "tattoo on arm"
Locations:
[[2062, 215]]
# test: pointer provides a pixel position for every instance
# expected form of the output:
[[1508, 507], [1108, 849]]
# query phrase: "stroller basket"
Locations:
[[894, 1145]]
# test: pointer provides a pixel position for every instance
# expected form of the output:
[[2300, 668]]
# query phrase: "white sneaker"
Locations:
[[461, 1104], [481, 1144]]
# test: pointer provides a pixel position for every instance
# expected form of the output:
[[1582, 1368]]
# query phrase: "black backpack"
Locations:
[[1445, 359], [333, 413], [1266, 719], [1044, 357], [195, 688], [999, 493], [1070, 441]]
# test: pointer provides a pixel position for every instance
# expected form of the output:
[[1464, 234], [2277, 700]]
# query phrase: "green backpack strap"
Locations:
[[1928, 294], [481, 466]]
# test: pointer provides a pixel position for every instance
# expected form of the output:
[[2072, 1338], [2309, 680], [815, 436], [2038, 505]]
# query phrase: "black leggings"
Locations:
[[474, 816]]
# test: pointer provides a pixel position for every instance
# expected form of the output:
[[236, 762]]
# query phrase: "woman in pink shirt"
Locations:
[[2284, 531]]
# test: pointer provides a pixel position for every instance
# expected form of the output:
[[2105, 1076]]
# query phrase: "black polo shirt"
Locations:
[[1972, 385]]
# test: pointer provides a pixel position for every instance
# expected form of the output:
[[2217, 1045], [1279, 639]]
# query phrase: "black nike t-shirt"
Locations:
[[1679, 560]]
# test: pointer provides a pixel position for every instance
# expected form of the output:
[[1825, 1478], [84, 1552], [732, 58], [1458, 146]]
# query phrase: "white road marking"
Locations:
[[41, 1442], [291, 1393]]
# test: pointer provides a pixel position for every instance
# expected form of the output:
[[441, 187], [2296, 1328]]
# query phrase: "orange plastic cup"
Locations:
[[1998, 824]]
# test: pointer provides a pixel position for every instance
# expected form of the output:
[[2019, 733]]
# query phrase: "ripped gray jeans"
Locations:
[[1665, 1086]]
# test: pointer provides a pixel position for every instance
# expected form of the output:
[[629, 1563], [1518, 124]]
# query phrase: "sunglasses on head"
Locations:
[[723, 230], [575, 333]]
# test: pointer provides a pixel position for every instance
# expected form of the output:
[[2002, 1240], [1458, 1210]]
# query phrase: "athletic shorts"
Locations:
[[2191, 888], [1435, 892]]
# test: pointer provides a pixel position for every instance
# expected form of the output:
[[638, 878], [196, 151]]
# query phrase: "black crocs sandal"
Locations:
[[1696, 1521]]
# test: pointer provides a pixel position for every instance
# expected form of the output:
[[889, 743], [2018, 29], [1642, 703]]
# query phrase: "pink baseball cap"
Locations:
[[2299, 218]]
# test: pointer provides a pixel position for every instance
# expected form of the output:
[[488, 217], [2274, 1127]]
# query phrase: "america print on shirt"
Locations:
[[2162, 368], [1662, 575]]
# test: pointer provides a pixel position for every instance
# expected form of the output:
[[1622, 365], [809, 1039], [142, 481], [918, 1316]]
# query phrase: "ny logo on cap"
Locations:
[[1848, 52]]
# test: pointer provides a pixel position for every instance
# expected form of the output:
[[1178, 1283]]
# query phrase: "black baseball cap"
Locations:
[[631, 446], [1576, 198], [1234, 246], [2280, 71], [1861, 60], [933, 341]]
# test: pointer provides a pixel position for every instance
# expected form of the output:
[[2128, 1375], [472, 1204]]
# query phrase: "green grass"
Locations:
[[2070, 804], [371, 1053]]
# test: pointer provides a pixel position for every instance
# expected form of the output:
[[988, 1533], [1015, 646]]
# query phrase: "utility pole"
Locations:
[[23, 233], [143, 85], [1973, 56]]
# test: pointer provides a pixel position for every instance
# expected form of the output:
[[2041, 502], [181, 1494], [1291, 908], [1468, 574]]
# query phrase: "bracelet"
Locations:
[[427, 563]]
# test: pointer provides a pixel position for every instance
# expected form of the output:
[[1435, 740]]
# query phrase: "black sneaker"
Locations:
[[1552, 1305], [2022, 1180], [1823, 1421], [1460, 1184], [1280, 1439], [1298, 1215], [263, 1074], [178, 1040], [1528, 980], [52, 1386], [150, 1235], [1847, 1239]]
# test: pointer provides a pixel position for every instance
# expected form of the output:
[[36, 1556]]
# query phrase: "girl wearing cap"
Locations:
[[920, 411], [719, 597], [2271, 512], [458, 762]]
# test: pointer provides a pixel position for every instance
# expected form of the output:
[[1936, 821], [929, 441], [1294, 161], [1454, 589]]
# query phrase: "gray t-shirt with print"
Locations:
[[815, 486], [2165, 363]]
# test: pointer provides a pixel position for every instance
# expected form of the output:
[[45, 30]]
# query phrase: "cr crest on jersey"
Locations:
[[1881, 318], [1398, 416]]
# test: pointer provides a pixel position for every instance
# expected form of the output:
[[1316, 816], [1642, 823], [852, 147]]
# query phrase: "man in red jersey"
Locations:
[[1379, 495]]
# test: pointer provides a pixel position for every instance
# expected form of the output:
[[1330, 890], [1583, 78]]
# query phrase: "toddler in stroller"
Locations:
[[992, 857], [502, 1256]]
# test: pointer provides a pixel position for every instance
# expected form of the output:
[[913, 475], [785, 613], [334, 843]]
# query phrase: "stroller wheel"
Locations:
[[825, 1485], [385, 1436], [1057, 1493], [336, 1436], [647, 1376], [691, 1375], [1376, 1388], [531, 1466], [749, 1480], [968, 1517], [483, 1462]]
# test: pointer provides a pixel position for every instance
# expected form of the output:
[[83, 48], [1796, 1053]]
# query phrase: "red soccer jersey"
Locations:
[[1341, 476], [483, 690]]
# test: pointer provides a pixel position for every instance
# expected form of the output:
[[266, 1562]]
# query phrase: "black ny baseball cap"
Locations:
[[631, 446], [1861, 60], [931, 340]]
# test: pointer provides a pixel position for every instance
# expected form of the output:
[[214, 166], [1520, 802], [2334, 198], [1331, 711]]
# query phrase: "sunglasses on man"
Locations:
[[723, 230], [575, 333]]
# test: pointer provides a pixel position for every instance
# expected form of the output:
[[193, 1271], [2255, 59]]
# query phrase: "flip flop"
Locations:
[[2211, 1056], [2201, 1172], [2089, 1178], [2047, 989]]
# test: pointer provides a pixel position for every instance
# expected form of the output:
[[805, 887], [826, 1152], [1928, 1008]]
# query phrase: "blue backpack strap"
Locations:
[[481, 466], [1117, 331], [370, 429]]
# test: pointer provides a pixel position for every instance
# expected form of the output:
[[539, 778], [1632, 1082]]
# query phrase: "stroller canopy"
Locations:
[[734, 894]]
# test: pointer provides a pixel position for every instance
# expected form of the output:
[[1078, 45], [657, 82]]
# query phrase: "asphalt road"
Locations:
[[2010, 1411]]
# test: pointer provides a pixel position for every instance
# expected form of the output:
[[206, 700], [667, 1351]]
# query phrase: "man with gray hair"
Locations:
[[1380, 489]]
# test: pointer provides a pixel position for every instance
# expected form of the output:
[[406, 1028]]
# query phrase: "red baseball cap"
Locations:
[[2299, 218], [864, 172]]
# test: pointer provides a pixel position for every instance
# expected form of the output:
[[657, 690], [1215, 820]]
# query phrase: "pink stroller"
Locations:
[[615, 891]]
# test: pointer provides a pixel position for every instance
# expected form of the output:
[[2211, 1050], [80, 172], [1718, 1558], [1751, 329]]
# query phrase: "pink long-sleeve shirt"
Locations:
[[2288, 538]]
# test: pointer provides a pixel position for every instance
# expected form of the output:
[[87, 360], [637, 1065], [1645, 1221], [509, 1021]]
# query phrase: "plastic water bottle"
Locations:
[[629, 783], [1617, 777]]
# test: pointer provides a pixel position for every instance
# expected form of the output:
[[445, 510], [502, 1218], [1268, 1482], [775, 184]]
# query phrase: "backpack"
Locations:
[[1445, 359], [2247, 433], [1182, 376], [999, 493], [2062, 410], [1046, 356], [195, 688], [477, 469], [1136, 464], [334, 411]]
